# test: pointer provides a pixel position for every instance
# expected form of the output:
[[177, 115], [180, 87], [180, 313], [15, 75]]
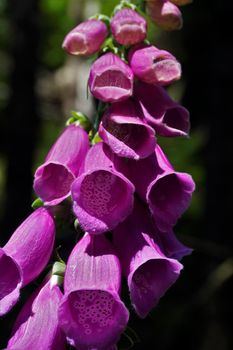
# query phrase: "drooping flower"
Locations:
[[166, 116], [25, 255], [128, 27], [87, 38], [102, 196], [111, 80], [167, 191], [148, 271], [153, 65], [53, 179], [165, 14], [91, 313], [123, 129], [36, 326]]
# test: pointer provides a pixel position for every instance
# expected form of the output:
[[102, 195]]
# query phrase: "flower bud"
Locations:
[[91, 313], [123, 129], [128, 27], [165, 14], [102, 196], [87, 38], [36, 326], [154, 66], [111, 79], [25, 255], [53, 179]]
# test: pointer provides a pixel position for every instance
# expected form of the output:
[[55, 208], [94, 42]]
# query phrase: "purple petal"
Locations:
[[37, 324], [53, 179], [167, 117], [110, 80], [32, 243], [128, 27], [165, 14], [154, 66], [87, 38], [91, 313], [10, 282], [149, 272], [102, 196]]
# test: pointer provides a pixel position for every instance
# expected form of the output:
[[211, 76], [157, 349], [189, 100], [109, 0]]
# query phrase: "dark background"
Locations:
[[35, 97]]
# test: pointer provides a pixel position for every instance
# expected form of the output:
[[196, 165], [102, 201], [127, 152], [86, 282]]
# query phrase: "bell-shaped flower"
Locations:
[[25, 255], [148, 271], [87, 38], [91, 313], [128, 27], [110, 80], [62, 165], [170, 245], [103, 197], [154, 66], [166, 116], [165, 14], [167, 191], [36, 326], [123, 129]]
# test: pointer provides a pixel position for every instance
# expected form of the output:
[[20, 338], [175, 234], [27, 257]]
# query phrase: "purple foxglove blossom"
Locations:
[[171, 246], [165, 14], [36, 326], [166, 116], [53, 179], [102, 196], [148, 271], [167, 192], [111, 79], [91, 313], [25, 255], [123, 129], [86, 39], [128, 27], [154, 66]]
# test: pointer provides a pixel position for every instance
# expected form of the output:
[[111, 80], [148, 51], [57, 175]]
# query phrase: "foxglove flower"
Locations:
[[87, 38], [128, 27], [165, 14], [123, 129], [111, 79], [102, 196], [148, 271], [25, 255], [166, 116], [62, 165], [167, 192], [36, 326], [170, 245], [154, 66], [91, 313]]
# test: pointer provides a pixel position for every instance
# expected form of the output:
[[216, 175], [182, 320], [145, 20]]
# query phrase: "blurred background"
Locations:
[[40, 84]]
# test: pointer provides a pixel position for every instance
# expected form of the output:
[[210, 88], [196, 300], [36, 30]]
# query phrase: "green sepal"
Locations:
[[59, 268], [38, 203], [80, 119]]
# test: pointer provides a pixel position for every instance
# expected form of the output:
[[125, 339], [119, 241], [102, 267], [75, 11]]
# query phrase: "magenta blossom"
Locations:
[[123, 129], [165, 14], [111, 79], [36, 326], [148, 271], [102, 196], [87, 38], [25, 255], [91, 313], [128, 27], [166, 116], [154, 66], [62, 165], [167, 192]]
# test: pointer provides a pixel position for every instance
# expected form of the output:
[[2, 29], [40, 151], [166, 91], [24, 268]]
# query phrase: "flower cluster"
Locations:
[[121, 183]]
